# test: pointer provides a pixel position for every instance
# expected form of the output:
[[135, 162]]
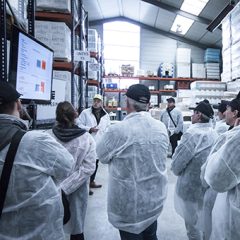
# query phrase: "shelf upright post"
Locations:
[[31, 17], [32, 108], [86, 91], [101, 69], [3, 31], [159, 98], [72, 53], [81, 37], [119, 105], [21, 8]]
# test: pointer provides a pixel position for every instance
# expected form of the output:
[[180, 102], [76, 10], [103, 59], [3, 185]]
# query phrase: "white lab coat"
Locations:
[[33, 207], [136, 151], [221, 127], [222, 174], [87, 120], [191, 153], [83, 150]]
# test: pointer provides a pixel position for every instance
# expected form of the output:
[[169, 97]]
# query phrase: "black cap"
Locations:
[[8, 93], [204, 108], [235, 104], [171, 100], [222, 107], [205, 100], [139, 93]]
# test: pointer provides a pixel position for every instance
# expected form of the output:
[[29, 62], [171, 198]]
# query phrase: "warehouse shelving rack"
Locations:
[[95, 82], [159, 92], [76, 29]]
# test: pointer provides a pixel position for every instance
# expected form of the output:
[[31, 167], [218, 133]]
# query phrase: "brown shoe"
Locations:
[[94, 185]]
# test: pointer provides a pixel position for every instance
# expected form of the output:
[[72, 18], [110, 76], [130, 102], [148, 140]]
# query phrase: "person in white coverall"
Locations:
[[220, 220], [33, 206], [222, 174], [190, 155], [136, 151], [210, 195], [82, 147], [94, 120], [221, 125], [173, 120]]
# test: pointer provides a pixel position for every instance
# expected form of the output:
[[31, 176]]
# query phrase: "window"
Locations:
[[194, 6], [181, 25], [121, 46]]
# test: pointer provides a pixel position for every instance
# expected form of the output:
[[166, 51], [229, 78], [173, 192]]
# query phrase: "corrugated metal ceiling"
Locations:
[[159, 18]]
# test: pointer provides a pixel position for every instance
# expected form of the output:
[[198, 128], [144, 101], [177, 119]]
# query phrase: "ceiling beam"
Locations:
[[178, 11], [147, 27]]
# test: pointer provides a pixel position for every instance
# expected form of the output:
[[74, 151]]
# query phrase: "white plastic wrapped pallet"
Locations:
[[64, 76], [183, 59], [54, 5], [57, 36], [92, 40], [236, 60], [198, 70]]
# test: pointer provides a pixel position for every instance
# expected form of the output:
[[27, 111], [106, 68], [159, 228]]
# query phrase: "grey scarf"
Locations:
[[67, 134]]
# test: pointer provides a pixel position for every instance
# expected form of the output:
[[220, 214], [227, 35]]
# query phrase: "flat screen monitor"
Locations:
[[31, 66]]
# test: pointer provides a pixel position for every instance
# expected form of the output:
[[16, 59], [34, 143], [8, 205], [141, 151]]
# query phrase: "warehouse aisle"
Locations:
[[97, 227]]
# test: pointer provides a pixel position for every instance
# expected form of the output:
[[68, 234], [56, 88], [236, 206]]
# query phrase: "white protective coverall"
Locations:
[[221, 127], [136, 151], [222, 173], [212, 220], [83, 150], [191, 153], [33, 207], [87, 120]]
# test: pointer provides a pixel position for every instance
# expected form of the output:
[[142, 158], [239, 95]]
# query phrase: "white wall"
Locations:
[[156, 48]]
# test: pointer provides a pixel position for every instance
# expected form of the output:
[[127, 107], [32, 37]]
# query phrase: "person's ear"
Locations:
[[236, 113], [19, 105], [199, 116]]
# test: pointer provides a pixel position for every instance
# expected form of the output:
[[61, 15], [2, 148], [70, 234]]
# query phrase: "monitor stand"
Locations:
[[32, 110]]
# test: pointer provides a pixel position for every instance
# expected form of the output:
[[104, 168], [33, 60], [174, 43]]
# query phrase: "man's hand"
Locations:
[[93, 130]]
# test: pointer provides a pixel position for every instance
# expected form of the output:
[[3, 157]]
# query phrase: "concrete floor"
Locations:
[[97, 227]]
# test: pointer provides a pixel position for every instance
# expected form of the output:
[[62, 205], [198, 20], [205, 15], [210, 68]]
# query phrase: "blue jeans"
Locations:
[[149, 233]]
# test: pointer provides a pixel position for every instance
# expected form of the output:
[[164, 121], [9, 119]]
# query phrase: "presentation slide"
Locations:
[[34, 69]]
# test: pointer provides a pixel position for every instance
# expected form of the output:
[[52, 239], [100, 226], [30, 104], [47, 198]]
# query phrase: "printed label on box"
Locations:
[[94, 67], [81, 56]]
